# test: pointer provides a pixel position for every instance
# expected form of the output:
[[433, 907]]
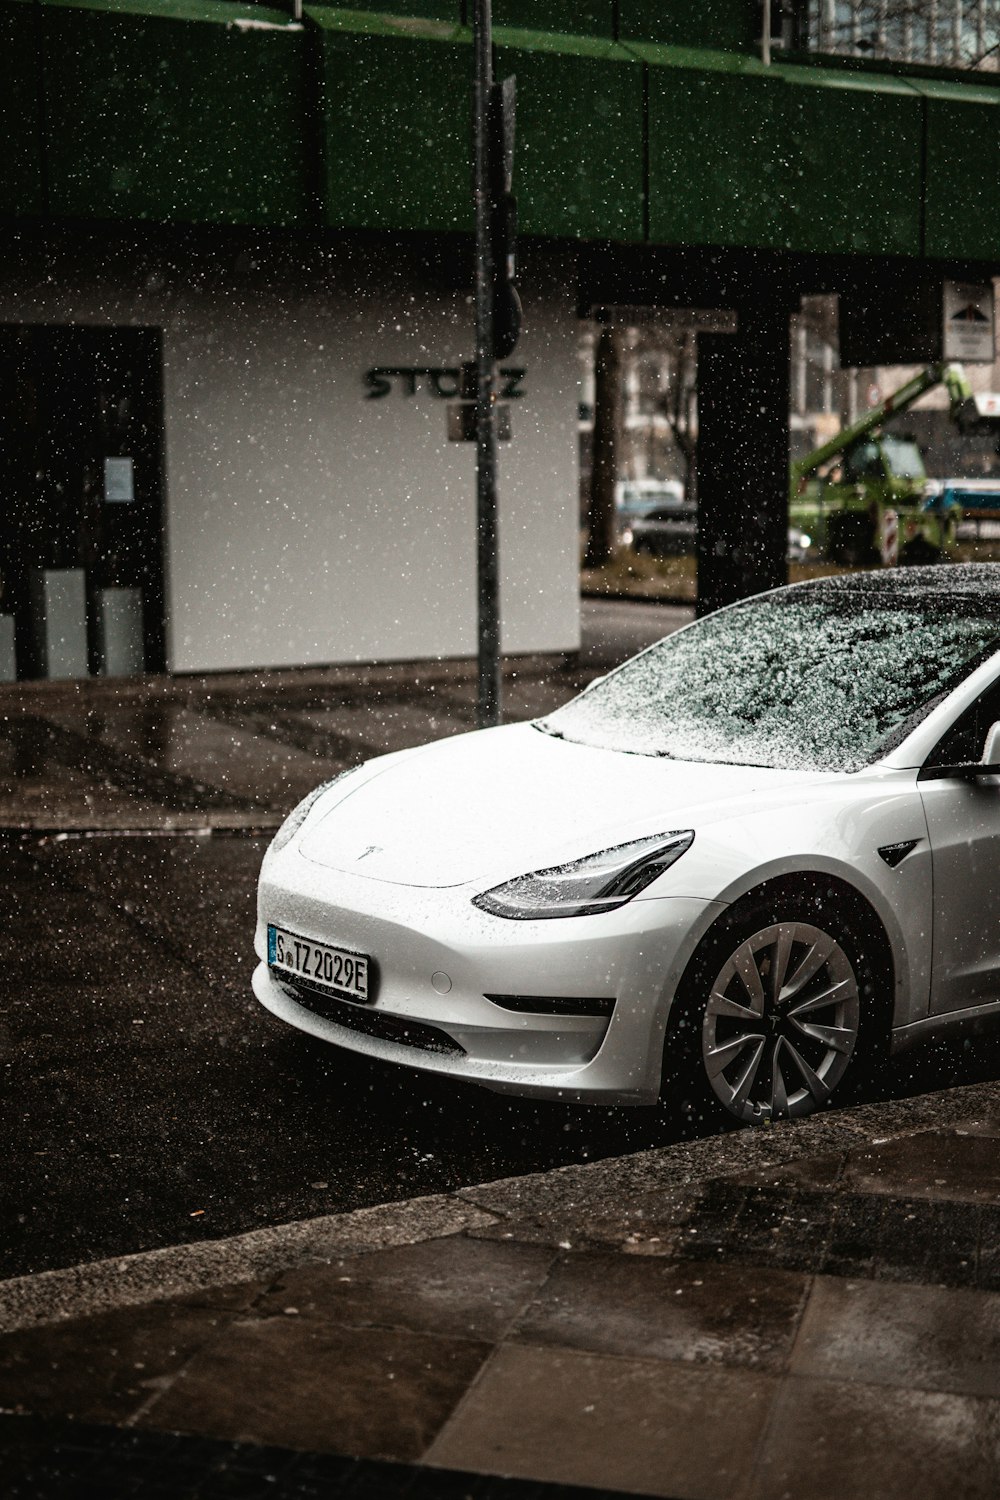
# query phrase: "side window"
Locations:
[[863, 461], [964, 741]]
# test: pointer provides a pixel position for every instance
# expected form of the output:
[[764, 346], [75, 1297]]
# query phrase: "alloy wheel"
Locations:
[[781, 1023]]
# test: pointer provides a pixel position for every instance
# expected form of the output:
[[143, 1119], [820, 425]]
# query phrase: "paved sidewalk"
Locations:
[[811, 1311]]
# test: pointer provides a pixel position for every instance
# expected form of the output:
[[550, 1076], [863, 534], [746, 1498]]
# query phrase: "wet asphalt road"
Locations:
[[149, 1100]]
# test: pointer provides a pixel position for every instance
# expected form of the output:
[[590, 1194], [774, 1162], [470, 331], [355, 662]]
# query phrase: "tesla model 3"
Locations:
[[746, 864]]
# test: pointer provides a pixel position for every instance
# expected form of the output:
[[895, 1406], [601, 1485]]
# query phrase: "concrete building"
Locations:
[[291, 494], [234, 295]]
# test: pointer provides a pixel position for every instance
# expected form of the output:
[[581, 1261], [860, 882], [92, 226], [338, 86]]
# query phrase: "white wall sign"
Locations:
[[443, 381], [118, 477], [968, 322]]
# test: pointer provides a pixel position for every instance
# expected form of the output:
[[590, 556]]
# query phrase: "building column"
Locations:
[[743, 400]]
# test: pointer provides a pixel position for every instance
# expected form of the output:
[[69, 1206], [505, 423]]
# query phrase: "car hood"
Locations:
[[500, 802]]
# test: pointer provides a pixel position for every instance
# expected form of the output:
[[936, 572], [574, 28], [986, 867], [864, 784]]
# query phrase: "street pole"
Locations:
[[486, 426]]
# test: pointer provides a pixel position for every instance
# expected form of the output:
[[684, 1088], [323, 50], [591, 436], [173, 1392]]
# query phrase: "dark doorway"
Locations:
[[81, 466]]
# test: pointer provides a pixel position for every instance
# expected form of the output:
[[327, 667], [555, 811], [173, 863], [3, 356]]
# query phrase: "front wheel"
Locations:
[[850, 539], [775, 1011], [919, 553]]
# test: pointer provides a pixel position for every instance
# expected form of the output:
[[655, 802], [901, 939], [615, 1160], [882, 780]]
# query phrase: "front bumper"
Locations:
[[439, 957]]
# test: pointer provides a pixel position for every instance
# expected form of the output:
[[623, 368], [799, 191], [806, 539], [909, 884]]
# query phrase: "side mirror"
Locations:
[[976, 770]]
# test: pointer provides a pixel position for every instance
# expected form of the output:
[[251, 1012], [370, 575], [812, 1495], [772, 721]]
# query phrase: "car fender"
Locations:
[[724, 865]]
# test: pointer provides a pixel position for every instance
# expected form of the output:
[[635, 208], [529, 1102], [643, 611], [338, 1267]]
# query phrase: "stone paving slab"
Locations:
[[649, 1427], [828, 1440], [754, 1347], [655, 1308]]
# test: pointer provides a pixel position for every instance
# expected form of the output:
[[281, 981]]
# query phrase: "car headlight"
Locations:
[[598, 882], [301, 810]]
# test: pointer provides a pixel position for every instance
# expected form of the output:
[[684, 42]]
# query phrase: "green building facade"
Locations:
[[162, 155]]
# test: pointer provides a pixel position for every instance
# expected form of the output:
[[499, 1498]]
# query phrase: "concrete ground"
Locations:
[[812, 1312], [807, 1311]]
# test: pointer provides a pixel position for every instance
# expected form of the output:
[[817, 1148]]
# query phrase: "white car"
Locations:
[[743, 865]]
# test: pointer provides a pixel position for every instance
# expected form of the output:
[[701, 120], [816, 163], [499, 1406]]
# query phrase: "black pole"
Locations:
[[743, 400], [486, 428]]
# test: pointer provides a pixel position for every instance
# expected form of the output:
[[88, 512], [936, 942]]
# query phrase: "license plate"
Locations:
[[334, 969]]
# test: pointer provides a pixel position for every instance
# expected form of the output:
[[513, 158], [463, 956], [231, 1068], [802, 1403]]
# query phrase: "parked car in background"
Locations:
[[664, 531], [635, 499], [670, 530]]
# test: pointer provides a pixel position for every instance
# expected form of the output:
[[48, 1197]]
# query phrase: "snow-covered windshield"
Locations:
[[796, 680]]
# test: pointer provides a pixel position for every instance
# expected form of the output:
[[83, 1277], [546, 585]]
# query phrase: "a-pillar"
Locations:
[[743, 398]]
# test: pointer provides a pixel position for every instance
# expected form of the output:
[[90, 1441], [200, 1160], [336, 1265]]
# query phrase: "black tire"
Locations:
[[919, 553], [851, 539], [724, 1061]]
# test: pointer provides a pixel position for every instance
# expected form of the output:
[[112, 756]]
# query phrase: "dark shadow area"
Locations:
[[49, 1457]]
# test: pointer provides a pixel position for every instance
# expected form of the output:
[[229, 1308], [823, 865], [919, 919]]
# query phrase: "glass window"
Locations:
[[825, 678], [902, 457], [863, 461], [966, 739]]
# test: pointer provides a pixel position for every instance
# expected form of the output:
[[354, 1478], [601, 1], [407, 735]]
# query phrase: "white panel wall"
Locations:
[[305, 522]]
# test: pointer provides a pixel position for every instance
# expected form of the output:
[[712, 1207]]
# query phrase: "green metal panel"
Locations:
[[733, 25], [853, 179], [401, 157], [577, 17], [175, 112], [430, 10], [202, 111], [963, 171], [421, 10], [780, 158], [579, 169], [397, 120], [21, 178], [715, 144]]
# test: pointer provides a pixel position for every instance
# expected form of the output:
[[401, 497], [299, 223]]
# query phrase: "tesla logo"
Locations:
[[372, 849]]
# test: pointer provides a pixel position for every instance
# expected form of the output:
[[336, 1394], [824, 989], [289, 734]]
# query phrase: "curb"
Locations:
[[178, 1270], [621, 596], [560, 1200], [201, 826]]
